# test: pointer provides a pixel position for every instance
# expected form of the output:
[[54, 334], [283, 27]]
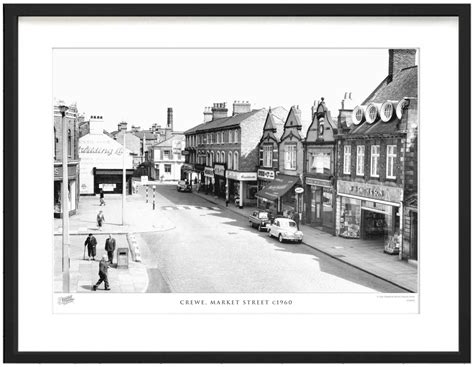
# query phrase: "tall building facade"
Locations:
[[71, 123]]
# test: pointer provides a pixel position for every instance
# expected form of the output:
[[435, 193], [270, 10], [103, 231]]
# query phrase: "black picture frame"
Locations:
[[12, 13]]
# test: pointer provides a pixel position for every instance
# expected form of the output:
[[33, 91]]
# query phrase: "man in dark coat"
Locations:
[[296, 218], [103, 269], [91, 243], [110, 248]]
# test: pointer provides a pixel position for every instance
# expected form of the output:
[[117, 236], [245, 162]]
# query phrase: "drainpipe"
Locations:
[[400, 254]]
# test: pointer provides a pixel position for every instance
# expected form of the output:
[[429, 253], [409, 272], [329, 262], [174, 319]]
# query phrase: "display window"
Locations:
[[350, 217]]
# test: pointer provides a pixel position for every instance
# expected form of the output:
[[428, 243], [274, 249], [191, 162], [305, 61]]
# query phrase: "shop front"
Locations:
[[279, 196], [264, 177], [220, 181], [111, 180], [73, 188], [209, 180], [319, 200], [242, 187], [371, 212]]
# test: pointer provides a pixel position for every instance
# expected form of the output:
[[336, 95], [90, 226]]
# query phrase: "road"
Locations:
[[211, 249]]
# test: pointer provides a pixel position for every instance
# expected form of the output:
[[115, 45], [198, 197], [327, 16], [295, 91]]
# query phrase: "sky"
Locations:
[[138, 85]]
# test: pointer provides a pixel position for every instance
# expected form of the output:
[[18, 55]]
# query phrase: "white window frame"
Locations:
[[360, 160], [290, 156], [166, 156], [391, 158], [230, 159], [268, 156], [347, 160], [374, 160], [236, 161]]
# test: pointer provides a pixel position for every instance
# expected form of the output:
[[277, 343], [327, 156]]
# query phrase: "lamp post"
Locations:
[[65, 202]]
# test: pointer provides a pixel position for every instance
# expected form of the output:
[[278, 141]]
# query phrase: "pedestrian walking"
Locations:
[[101, 196], [110, 248], [100, 219], [103, 276], [91, 244], [296, 218]]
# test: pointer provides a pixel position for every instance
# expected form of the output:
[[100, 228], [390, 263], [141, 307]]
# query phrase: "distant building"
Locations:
[[167, 158], [72, 125]]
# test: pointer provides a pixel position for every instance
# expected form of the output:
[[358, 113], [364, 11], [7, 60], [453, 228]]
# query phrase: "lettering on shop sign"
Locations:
[[317, 182], [208, 172], [71, 171], [219, 170], [100, 150], [376, 193], [266, 174], [241, 176]]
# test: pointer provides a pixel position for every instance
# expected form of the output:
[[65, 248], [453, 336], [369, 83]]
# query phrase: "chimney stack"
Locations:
[[170, 118], [219, 111], [344, 120], [96, 125], [241, 107], [122, 126], [207, 114], [135, 129], [399, 59]]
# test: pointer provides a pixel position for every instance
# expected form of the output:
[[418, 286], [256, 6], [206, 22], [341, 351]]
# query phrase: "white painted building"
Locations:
[[167, 158]]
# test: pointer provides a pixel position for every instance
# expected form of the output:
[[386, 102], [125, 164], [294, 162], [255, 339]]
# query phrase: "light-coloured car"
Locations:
[[184, 186], [285, 230]]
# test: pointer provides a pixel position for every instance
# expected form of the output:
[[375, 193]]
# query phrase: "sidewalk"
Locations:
[[136, 220], [362, 254]]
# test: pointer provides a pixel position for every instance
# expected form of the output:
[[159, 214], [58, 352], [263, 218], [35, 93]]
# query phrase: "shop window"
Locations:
[[360, 160], [251, 191], [290, 156], [268, 155], [374, 160], [391, 157], [350, 218], [167, 168], [347, 160]]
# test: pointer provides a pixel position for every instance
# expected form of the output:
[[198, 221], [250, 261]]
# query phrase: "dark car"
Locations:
[[261, 219], [184, 186]]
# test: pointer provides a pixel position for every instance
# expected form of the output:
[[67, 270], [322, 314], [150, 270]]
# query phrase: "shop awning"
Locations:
[[278, 187]]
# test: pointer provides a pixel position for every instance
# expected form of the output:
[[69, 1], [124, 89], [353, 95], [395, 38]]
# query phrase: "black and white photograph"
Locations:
[[239, 172], [237, 183]]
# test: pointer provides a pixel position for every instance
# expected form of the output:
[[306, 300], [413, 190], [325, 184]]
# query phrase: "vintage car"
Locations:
[[260, 219], [184, 186], [285, 230]]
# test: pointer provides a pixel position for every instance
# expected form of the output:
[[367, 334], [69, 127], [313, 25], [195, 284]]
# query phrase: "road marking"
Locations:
[[188, 207]]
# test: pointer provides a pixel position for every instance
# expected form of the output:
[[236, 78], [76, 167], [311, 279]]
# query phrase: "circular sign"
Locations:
[[299, 190]]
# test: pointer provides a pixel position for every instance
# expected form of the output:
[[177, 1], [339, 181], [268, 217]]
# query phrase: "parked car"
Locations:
[[184, 186], [285, 230], [260, 219]]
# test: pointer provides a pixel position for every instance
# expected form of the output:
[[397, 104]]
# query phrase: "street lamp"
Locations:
[[65, 202]]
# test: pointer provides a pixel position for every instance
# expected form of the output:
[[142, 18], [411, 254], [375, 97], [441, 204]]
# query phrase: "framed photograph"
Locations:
[[237, 183]]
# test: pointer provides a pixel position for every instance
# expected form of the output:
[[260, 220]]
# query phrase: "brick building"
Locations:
[[225, 151], [375, 173], [320, 166], [72, 125]]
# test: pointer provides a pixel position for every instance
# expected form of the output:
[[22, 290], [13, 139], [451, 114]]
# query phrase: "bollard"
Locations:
[[154, 197]]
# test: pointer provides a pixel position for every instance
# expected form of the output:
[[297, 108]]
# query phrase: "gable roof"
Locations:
[[403, 84], [170, 140]]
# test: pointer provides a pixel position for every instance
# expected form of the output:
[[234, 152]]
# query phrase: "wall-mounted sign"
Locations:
[[317, 182], [379, 192], [208, 172], [241, 176], [219, 170], [71, 171], [266, 174]]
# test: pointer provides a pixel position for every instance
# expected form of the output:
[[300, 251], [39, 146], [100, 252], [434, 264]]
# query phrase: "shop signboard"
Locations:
[[266, 174], [209, 172], [317, 182], [199, 167], [219, 170], [241, 176], [377, 192], [71, 171]]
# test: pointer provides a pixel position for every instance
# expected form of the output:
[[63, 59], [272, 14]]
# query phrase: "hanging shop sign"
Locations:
[[299, 190], [266, 174], [241, 176], [219, 170], [209, 172], [378, 192], [317, 182]]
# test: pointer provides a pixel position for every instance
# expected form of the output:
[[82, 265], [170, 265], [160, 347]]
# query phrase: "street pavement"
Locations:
[[191, 242], [213, 249]]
